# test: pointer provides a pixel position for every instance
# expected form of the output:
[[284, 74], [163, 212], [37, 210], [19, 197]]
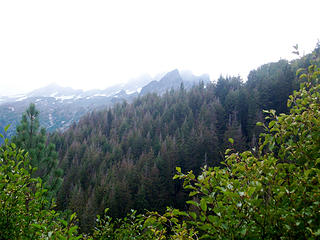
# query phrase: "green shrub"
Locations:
[[23, 212], [272, 192]]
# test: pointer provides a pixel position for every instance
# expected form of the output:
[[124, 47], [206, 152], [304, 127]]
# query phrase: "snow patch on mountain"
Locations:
[[100, 95], [62, 98], [21, 98], [53, 94], [130, 92]]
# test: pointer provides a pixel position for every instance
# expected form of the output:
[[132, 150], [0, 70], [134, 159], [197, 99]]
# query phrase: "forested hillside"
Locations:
[[125, 157]]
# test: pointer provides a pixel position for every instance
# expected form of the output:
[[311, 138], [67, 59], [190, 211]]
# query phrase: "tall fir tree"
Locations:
[[43, 156]]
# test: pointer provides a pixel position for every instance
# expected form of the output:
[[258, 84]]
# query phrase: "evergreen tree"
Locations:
[[43, 157]]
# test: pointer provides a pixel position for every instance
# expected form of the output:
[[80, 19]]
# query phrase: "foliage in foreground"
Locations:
[[272, 192], [23, 212]]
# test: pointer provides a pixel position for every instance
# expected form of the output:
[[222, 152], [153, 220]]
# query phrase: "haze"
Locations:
[[95, 44]]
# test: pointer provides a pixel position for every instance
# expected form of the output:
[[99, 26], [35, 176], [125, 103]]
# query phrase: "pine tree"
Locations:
[[33, 139]]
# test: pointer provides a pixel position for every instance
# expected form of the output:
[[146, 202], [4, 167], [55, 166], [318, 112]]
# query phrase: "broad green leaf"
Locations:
[[193, 215], [203, 204], [211, 219], [193, 203], [6, 128], [73, 216], [251, 191]]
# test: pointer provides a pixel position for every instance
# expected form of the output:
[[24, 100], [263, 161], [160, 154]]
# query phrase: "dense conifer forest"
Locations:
[[125, 157], [134, 156]]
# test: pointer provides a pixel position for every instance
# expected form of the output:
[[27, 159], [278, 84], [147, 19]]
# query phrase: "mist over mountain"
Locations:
[[54, 90], [173, 80], [61, 106]]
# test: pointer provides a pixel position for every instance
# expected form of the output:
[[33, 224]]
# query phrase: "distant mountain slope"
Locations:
[[61, 106], [173, 80], [54, 90]]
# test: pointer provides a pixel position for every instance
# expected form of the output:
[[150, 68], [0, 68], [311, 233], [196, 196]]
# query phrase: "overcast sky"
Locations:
[[95, 44]]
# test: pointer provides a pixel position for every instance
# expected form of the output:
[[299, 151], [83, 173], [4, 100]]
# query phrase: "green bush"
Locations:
[[23, 212], [272, 192]]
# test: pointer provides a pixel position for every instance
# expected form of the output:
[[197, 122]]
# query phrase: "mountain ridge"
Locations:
[[61, 106]]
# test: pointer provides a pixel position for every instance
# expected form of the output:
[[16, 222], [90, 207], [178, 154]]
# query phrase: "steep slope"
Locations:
[[125, 157]]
